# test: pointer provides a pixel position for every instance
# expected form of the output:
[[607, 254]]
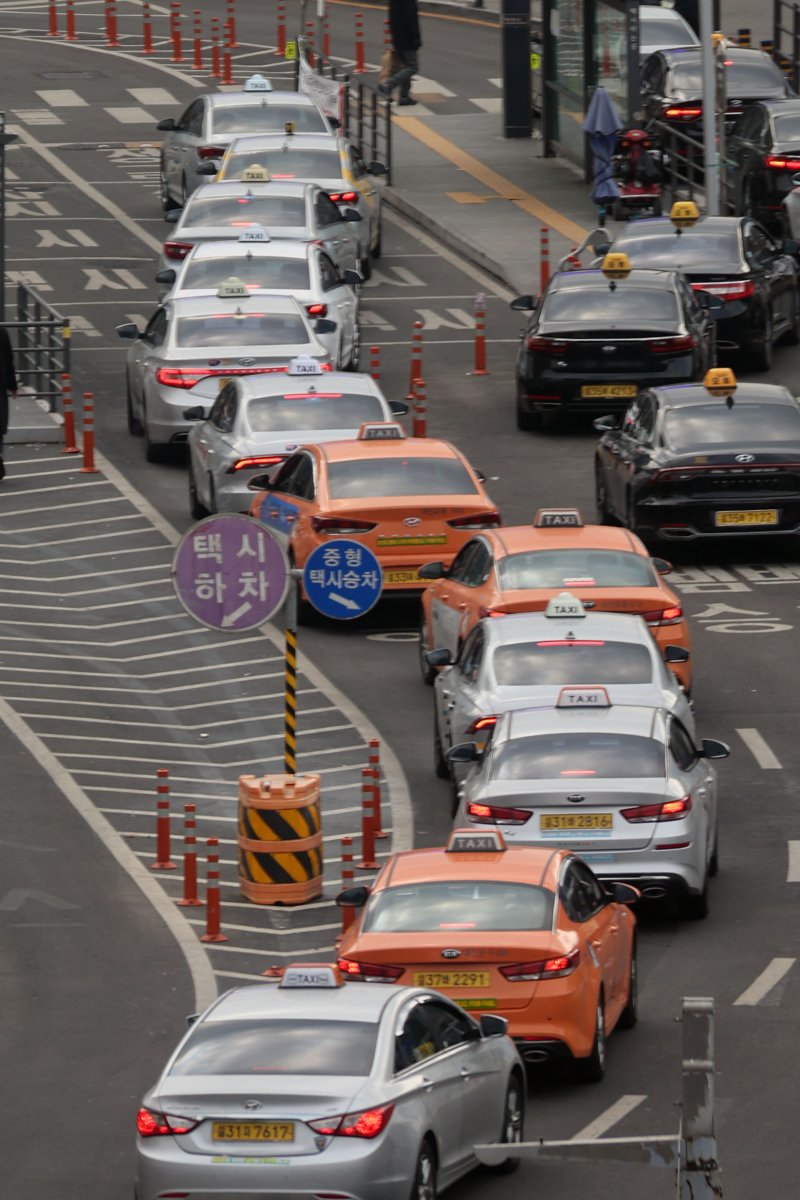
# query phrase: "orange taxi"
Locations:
[[527, 932], [519, 568], [402, 497]]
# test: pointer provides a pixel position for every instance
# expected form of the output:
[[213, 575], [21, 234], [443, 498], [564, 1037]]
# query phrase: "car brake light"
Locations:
[[482, 723], [366, 1124], [734, 289], [672, 345], [341, 525], [365, 972], [546, 345], [663, 616], [483, 611], [343, 197], [680, 112], [484, 520], [154, 1124], [187, 377], [583, 642], [256, 460], [210, 151], [317, 310], [494, 814], [544, 968], [176, 251], [782, 164], [669, 810]]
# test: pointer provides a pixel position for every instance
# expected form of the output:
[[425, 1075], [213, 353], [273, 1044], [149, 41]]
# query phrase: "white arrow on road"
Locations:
[[14, 900], [230, 618], [345, 601]]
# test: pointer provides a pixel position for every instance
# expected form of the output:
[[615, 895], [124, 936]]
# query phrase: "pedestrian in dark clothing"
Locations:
[[406, 41], [8, 387]]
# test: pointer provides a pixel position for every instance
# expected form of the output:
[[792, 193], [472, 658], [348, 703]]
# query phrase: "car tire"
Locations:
[[695, 905], [630, 1013], [424, 1186], [513, 1124], [134, 424], [377, 248], [196, 507], [167, 202], [593, 1068], [792, 335], [428, 673], [354, 362], [365, 267], [184, 192], [713, 862], [440, 763], [748, 204], [604, 516], [528, 422], [759, 358], [213, 506]]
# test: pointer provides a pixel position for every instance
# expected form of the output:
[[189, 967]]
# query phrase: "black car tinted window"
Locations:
[[563, 662], [741, 427], [267, 118], [244, 211], [758, 78], [578, 756], [457, 904], [261, 1048], [659, 31], [579, 568], [250, 329], [696, 251], [787, 128], [268, 274], [308, 412], [398, 477], [598, 306]]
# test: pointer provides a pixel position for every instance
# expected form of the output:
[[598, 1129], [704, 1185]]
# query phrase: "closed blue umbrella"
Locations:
[[601, 123]]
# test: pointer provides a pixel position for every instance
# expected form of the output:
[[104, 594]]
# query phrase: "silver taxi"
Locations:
[[209, 124], [253, 423], [319, 1088], [624, 786], [223, 211], [199, 337], [280, 266]]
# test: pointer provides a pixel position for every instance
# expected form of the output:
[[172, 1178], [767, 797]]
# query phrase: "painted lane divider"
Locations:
[[763, 984], [610, 1117], [793, 871], [213, 931], [759, 749], [163, 861]]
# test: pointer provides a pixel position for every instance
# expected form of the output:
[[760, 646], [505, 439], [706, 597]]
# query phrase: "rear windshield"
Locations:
[[740, 427], [250, 329], [656, 31], [244, 211], [267, 1047], [459, 905], [575, 568], [697, 249], [758, 79], [563, 662], [292, 164], [323, 411], [579, 756], [268, 274], [787, 129], [399, 477], [600, 306], [267, 118]]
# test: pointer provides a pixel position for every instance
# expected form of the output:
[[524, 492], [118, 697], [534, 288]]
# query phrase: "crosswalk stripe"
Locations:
[[492, 104], [152, 95], [37, 116], [431, 85], [131, 116], [62, 98]]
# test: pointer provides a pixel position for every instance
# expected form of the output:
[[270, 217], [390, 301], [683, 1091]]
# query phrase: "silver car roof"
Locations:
[[351, 1002], [235, 187], [257, 99], [200, 305], [637, 720], [255, 386], [527, 627], [277, 248], [273, 140]]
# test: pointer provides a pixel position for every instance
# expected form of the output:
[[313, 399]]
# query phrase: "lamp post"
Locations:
[[5, 140]]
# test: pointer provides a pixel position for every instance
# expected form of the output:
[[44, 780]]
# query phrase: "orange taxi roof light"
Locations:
[[720, 381], [312, 975], [467, 841], [559, 518]]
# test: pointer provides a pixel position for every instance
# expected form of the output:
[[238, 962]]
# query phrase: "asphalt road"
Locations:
[[83, 226]]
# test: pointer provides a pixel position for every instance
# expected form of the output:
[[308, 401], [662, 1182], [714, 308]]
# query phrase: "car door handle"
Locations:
[[598, 943], [446, 693], [613, 929], [443, 595], [426, 1083], [465, 1073], [463, 604]]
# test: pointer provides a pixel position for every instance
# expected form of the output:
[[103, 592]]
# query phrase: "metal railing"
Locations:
[[786, 39], [42, 351], [684, 174]]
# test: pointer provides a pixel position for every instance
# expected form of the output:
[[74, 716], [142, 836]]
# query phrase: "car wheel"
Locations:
[[213, 506], [440, 764], [163, 190], [695, 907], [134, 424], [630, 1013], [593, 1068], [529, 422], [424, 1185], [196, 506], [513, 1122], [428, 673], [748, 204], [365, 267], [604, 516], [713, 862], [376, 249], [792, 335], [760, 357], [355, 355]]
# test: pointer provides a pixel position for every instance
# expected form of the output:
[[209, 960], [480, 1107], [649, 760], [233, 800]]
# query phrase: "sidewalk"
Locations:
[[30, 421]]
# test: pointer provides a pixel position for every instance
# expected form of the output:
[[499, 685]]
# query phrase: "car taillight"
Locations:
[[543, 968], [482, 723], [255, 460], [483, 611], [546, 345], [341, 525], [663, 616], [669, 810], [734, 289], [210, 151], [182, 377], [782, 164], [494, 814], [682, 112], [154, 1124], [343, 197], [365, 1124], [365, 972], [317, 310], [176, 251], [484, 520], [672, 345]]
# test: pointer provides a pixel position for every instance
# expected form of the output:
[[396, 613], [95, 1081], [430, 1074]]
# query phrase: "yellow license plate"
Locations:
[[608, 391], [577, 821], [741, 518], [401, 577], [253, 1131], [423, 539], [471, 1004], [451, 979]]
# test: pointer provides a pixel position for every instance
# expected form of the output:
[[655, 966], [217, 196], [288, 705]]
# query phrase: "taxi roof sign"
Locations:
[[684, 213], [558, 518], [616, 265], [720, 381], [565, 605], [257, 83], [583, 697], [311, 975], [304, 364], [289, 129], [380, 431], [466, 841], [256, 233], [232, 289], [255, 173]]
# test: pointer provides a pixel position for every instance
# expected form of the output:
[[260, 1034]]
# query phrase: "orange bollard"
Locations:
[[212, 933], [387, 34], [52, 19], [230, 24], [190, 899], [88, 467], [177, 35], [326, 37], [280, 48], [70, 445], [374, 762], [197, 32], [310, 42], [147, 29], [227, 67], [419, 424], [544, 258], [368, 862], [163, 861], [359, 67], [71, 35], [480, 336], [215, 71], [416, 355], [111, 23], [375, 363], [348, 875]]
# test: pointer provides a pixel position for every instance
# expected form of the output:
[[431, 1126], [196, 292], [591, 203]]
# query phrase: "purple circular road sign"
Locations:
[[230, 573]]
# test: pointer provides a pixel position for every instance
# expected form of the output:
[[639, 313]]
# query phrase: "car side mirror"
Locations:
[[431, 570], [210, 167], [325, 325], [661, 565], [167, 276], [354, 897], [197, 413], [377, 168], [464, 752], [398, 408], [524, 304], [606, 424], [438, 658], [676, 654], [191, 1019], [129, 331], [623, 893], [480, 475], [259, 483], [711, 748], [350, 214], [167, 125], [173, 215], [789, 246], [492, 1025], [354, 278]]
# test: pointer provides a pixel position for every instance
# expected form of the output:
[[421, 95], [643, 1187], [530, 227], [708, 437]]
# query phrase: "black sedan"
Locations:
[[764, 154], [687, 464], [735, 259], [592, 344], [672, 86]]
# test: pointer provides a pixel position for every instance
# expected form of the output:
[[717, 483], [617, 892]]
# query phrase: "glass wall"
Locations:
[[611, 53], [567, 25]]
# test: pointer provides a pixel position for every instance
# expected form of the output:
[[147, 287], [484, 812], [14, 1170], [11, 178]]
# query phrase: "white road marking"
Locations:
[[498, 83], [37, 116], [131, 116], [600, 1125], [63, 98], [151, 95], [492, 104], [488, 283], [766, 981], [759, 749], [793, 870], [424, 86]]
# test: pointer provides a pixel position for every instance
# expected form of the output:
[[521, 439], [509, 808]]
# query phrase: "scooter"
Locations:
[[638, 174]]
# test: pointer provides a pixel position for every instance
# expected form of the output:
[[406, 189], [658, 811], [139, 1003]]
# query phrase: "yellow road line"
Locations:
[[491, 179], [428, 16]]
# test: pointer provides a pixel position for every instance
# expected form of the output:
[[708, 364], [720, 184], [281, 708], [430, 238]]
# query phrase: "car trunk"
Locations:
[[621, 599], [646, 351], [770, 476], [410, 528]]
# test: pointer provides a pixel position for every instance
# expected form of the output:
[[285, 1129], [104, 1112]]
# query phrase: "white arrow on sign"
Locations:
[[14, 900], [231, 618], [345, 601]]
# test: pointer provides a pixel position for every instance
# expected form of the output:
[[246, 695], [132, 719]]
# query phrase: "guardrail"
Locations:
[[42, 351]]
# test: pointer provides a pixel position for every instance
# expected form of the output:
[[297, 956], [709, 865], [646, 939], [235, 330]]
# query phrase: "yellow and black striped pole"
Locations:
[[290, 678]]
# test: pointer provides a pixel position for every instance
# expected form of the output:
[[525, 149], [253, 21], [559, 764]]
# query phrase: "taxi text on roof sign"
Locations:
[[684, 213], [232, 289], [616, 265], [565, 605], [255, 173], [464, 841], [380, 431], [311, 975], [548, 518], [583, 697], [256, 233], [720, 381], [257, 83], [304, 364]]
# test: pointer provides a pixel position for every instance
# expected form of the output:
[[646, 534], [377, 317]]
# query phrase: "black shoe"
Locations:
[[405, 100], [385, 91]]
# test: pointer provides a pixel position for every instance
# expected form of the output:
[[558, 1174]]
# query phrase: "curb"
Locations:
[[27, 428]]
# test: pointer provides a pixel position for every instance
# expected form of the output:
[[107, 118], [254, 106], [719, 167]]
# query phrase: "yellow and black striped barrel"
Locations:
[[280, 838]]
